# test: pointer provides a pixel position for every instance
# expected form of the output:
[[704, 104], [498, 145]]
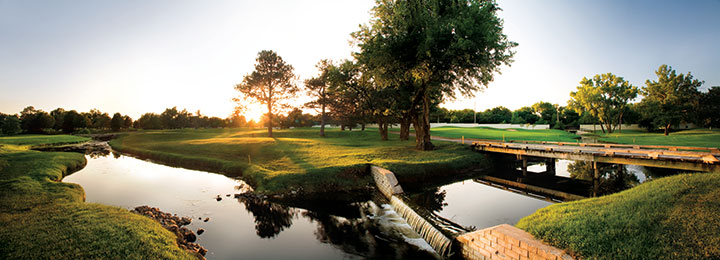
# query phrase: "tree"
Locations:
[[670, 100], [270, 84], [526, 115], [317, 87], [127, 122], [116, 122], [58, 114], [710, 107], [10, 125], [74, 120], [435, 48], [34, 121], [606, 97]]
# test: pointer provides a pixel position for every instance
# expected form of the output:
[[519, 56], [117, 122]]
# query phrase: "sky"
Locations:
[[137, 56]]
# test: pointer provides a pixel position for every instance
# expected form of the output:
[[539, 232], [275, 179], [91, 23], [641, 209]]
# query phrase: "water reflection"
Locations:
[[613, 177], [432, 199], [270, 218], [246, 227]]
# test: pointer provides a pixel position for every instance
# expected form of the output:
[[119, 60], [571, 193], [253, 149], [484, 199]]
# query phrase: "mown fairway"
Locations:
[[504, 134], [296, 158], [675, 217], [695, 137], [44, 218]]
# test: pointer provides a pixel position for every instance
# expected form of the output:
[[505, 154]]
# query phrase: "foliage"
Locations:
[[295, 157], [435, 47], [605, 97], [670, 100], [650, 221], [35, 121], [9, 125], [117, 122], [271, 83], [709, 108], [317, 87], [74, 120]]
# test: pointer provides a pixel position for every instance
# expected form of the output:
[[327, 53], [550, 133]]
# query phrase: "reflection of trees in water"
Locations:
[[432, 200], [270, 218], [613, 177]]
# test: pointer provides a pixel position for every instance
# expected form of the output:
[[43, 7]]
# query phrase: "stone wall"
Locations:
[[506, 242]]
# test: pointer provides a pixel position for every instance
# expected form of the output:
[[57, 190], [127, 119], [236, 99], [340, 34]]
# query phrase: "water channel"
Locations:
[[260, 229]]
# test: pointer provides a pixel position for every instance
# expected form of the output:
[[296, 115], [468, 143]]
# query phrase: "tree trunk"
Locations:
[[362, 126], [270, 116], [667, 129], [322, 121], [405, 128], [383, 127], [424, 142], [602, 127], [342, 127]]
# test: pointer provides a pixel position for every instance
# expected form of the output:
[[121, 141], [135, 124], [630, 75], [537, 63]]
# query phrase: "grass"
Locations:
[[694, 137], [518, 134], [40, 140], [297, 157], [675, 217], [44, 218]]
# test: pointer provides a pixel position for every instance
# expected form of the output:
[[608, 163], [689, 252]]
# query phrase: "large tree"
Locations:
[[709, 108], [672, 99], [272, 83], [317, 87], [434, 47], [605, 97]]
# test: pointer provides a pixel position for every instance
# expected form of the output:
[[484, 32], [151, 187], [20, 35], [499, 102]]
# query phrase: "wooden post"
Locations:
[[551, 167], [524, 166], [596, 179], [463, 139]]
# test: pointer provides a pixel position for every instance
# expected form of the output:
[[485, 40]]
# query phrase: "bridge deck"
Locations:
[[676, 157]]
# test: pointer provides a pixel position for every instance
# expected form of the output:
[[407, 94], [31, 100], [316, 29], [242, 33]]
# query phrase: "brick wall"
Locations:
[[506, 242]]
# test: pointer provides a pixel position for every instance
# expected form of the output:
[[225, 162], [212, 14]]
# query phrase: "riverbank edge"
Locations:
[[361, 172], [620, 225], [70, 207]]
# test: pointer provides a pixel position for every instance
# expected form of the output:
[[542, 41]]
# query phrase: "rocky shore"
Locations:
[[185, 236]]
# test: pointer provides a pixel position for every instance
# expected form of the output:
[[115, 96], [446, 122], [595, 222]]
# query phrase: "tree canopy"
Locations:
[[435, 48], [271, 83], [605, 97], [671, 99]]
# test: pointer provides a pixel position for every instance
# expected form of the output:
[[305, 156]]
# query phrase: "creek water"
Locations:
[[242, 228], [260, 229]]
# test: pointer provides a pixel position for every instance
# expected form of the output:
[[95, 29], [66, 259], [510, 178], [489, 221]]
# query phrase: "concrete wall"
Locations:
[[507, 242], [385, 181]]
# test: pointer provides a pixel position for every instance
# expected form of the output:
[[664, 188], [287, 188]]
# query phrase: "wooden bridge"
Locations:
[[675, 157]]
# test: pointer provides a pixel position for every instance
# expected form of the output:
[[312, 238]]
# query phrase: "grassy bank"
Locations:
[[694, 137], [297, 157], [675, 217], [44, 218], [504, 134]]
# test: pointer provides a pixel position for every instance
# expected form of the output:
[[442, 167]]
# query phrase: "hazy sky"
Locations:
[[144, 56]]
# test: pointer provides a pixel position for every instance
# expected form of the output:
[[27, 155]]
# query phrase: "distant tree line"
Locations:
[[36, 121], [670, 100]]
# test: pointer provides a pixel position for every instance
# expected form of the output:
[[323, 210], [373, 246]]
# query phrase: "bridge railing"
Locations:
[[714, 150]]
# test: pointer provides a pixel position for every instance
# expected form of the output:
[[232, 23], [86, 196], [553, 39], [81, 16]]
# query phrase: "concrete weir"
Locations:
[[498, 242]]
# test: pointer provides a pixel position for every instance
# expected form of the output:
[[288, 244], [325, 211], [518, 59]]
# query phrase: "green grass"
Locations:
[[675, 217], [695, 137], [551, 135], [44, 218], [40, 140], [297, 157]]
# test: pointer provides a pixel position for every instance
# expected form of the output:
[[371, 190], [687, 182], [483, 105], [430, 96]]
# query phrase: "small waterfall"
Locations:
[[441, 243]]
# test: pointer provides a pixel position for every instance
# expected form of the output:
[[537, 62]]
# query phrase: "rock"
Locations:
[[227, 195], [189, 235], [202, 251], [200, 231], [218, 198], [206, 220]]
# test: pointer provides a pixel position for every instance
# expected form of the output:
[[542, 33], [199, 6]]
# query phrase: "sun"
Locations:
[[254, 112]]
